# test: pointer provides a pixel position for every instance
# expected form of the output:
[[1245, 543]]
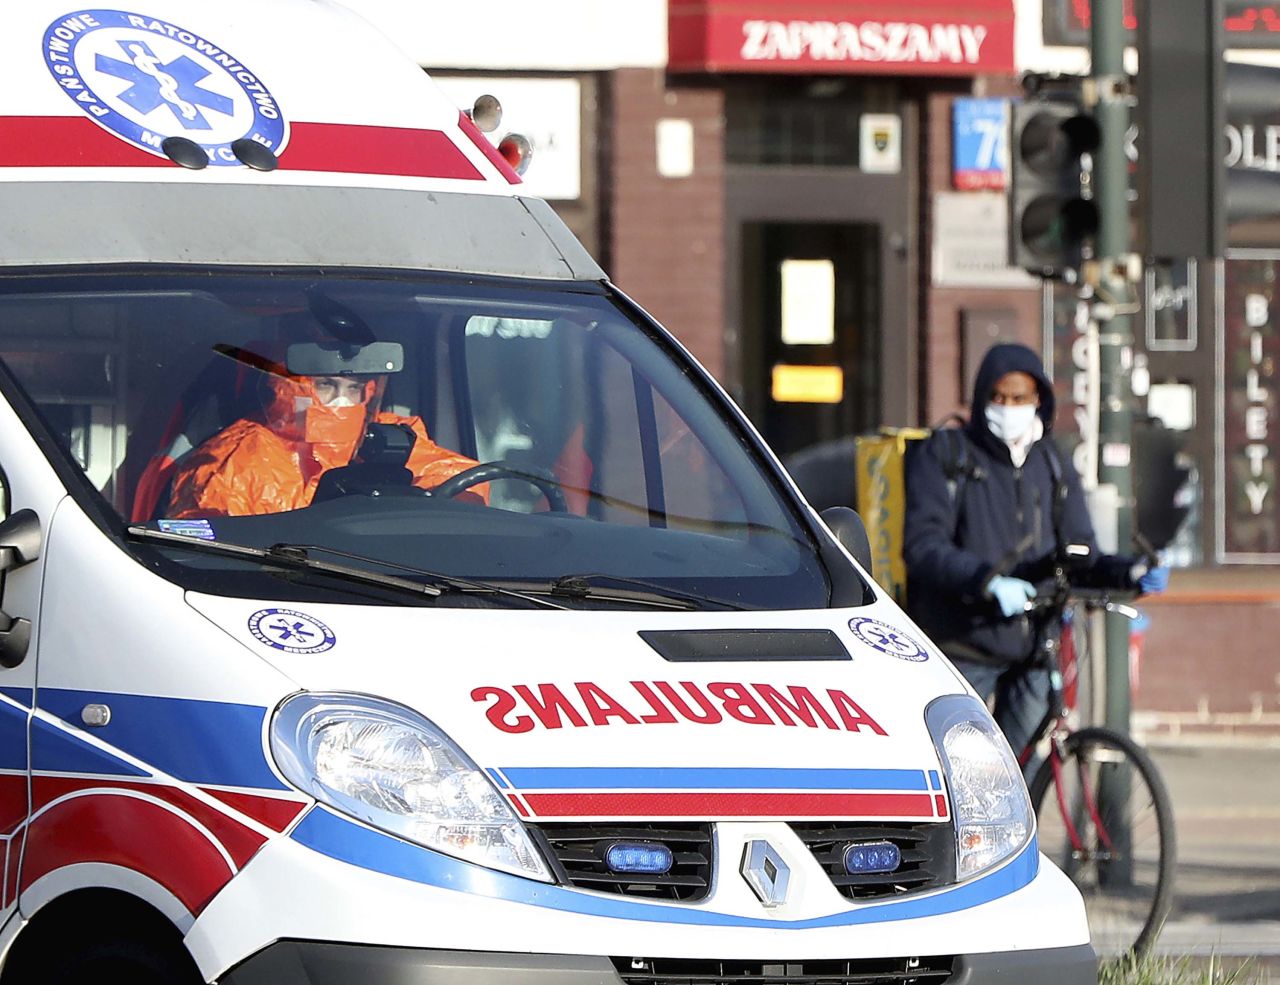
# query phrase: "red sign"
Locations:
[[874, 37], [1247, 24]]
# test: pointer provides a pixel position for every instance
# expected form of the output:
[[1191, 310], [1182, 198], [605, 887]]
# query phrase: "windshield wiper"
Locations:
[[453, 582], [297, 556], [636, 590]]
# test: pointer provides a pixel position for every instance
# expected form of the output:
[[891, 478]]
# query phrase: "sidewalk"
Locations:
[[1227, 811]]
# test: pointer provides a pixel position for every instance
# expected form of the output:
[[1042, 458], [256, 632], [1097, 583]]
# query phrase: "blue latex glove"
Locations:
[[1011, 594], [1155, 581]]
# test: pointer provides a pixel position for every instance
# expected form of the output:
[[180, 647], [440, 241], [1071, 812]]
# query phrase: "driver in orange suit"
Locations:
[[310, 424]]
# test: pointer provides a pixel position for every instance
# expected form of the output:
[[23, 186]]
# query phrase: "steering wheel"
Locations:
[[488, 471]]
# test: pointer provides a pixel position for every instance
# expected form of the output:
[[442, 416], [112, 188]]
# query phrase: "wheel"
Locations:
[[120, 961], [489, 471], [99, 936], [1122, 855]]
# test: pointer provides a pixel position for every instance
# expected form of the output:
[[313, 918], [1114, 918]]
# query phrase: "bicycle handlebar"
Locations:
[[1108, 599]]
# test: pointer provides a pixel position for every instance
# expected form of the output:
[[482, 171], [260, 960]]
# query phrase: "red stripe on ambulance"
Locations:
[[376, 150], [719, 803], [78, 142], [119, 828]]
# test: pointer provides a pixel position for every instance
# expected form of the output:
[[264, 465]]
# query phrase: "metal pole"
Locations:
[[1115, 425], [1111, 192]]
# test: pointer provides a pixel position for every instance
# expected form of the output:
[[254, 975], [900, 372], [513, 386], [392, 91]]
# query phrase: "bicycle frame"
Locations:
[[1055, 724]]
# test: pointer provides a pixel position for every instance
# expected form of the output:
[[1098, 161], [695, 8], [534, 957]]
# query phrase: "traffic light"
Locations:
[[1161, 469], [1051, 219]]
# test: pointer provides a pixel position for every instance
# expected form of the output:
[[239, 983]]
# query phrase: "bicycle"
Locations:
[[1112, 831]]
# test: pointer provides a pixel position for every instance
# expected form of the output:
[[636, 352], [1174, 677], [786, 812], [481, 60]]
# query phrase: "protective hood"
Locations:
[[1007, 357], [295, 413]]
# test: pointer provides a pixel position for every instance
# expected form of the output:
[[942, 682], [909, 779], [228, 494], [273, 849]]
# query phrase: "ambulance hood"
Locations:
[[569, 707], [307, 138]]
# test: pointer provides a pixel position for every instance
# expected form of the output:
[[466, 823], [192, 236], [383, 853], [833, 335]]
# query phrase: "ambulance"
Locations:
[[552, 678]]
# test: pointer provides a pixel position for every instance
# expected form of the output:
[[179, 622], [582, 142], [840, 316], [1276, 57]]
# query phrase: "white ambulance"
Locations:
[[546, 675]]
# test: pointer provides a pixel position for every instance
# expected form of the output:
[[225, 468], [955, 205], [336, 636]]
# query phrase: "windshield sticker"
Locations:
[[145, 79], [524, 707], [187, 528], [291, 631], [883, 637]]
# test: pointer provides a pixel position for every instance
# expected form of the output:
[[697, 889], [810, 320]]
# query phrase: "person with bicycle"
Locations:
[[991, 508]]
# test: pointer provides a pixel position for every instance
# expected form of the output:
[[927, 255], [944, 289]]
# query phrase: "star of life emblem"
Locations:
[[291, 631], [145, 79], [885, 638]]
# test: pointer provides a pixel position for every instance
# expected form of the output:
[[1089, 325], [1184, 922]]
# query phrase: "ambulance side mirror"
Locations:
[[20, 540], [20, 543], [850, 531]]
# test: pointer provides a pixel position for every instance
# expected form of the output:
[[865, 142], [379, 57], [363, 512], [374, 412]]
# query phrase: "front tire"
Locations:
[[101, 936], [1123, 854]]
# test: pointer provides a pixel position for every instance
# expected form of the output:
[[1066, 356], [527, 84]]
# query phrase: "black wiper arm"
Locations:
[[631, 590], [273, 557], [438, 578]]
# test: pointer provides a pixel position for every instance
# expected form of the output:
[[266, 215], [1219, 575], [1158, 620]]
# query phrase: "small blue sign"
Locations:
[[291, 631], [885, 638], [980, 143], [146, 79]]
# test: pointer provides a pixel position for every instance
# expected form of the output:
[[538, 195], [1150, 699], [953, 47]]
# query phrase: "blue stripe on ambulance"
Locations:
[[13, 736], [331, 835], [709, 778], [206, 742], [54, 750]]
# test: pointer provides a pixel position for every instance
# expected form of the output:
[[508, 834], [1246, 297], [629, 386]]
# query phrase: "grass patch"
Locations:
[[1211, 970]]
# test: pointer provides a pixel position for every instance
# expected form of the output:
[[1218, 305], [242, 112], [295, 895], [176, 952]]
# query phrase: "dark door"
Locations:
[[811, 330]]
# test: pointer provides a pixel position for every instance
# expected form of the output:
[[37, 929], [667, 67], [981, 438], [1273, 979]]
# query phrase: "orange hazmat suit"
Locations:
[[270, 466]]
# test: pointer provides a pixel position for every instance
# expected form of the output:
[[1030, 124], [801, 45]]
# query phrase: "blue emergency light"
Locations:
[[876, 856], [651, 859]]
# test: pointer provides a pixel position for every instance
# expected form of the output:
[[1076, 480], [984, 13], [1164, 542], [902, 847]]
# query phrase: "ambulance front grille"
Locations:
[[577, 852], [873, 971], [928, 855]]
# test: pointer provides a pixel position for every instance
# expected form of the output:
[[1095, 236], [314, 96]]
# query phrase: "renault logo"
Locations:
[[766, 873]]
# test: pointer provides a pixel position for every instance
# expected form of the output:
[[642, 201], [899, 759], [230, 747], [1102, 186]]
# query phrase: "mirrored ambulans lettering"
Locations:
[[523, 707], [145, 79]]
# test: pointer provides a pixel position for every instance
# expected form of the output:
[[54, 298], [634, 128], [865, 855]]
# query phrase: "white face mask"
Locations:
[[1008, 422]]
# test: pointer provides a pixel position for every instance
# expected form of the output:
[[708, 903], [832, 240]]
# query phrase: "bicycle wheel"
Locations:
[[1107, 822]]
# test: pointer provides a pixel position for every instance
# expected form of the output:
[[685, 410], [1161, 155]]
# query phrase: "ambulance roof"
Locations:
[[373, 164]]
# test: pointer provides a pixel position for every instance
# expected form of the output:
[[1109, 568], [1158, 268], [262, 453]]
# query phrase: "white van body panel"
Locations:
[[278, 887], [136, 744]]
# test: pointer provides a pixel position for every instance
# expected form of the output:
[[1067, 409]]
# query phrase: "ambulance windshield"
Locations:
[[512, 432]]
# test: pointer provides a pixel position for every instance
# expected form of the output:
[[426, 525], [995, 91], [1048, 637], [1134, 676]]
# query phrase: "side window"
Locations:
[[527, 403]]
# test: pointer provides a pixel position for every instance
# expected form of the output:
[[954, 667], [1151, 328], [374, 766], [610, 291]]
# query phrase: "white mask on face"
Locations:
[[342, 400], [1008, 422]]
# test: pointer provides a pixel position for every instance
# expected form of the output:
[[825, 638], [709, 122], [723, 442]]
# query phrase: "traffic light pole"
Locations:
[[1115, 335], [1115, 323]]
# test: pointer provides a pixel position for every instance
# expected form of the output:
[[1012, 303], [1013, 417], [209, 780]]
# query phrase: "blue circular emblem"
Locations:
[[146, 79], [883, 637], [291, 631]]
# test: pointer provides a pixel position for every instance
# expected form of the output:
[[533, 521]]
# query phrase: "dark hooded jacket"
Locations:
[[958, 534]]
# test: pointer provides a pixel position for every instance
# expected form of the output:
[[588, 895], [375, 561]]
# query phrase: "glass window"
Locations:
[[520, 435], [790, 123]]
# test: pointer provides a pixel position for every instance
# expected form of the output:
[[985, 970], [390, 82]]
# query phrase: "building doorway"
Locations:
[[811, 324]]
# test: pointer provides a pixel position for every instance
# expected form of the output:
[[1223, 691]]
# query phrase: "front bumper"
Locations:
[[315, 963]]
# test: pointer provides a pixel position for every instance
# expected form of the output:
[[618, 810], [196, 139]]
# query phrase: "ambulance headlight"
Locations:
[[388, 766], [989, 802]]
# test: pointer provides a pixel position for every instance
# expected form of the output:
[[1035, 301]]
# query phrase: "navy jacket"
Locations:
[[954, 540]]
